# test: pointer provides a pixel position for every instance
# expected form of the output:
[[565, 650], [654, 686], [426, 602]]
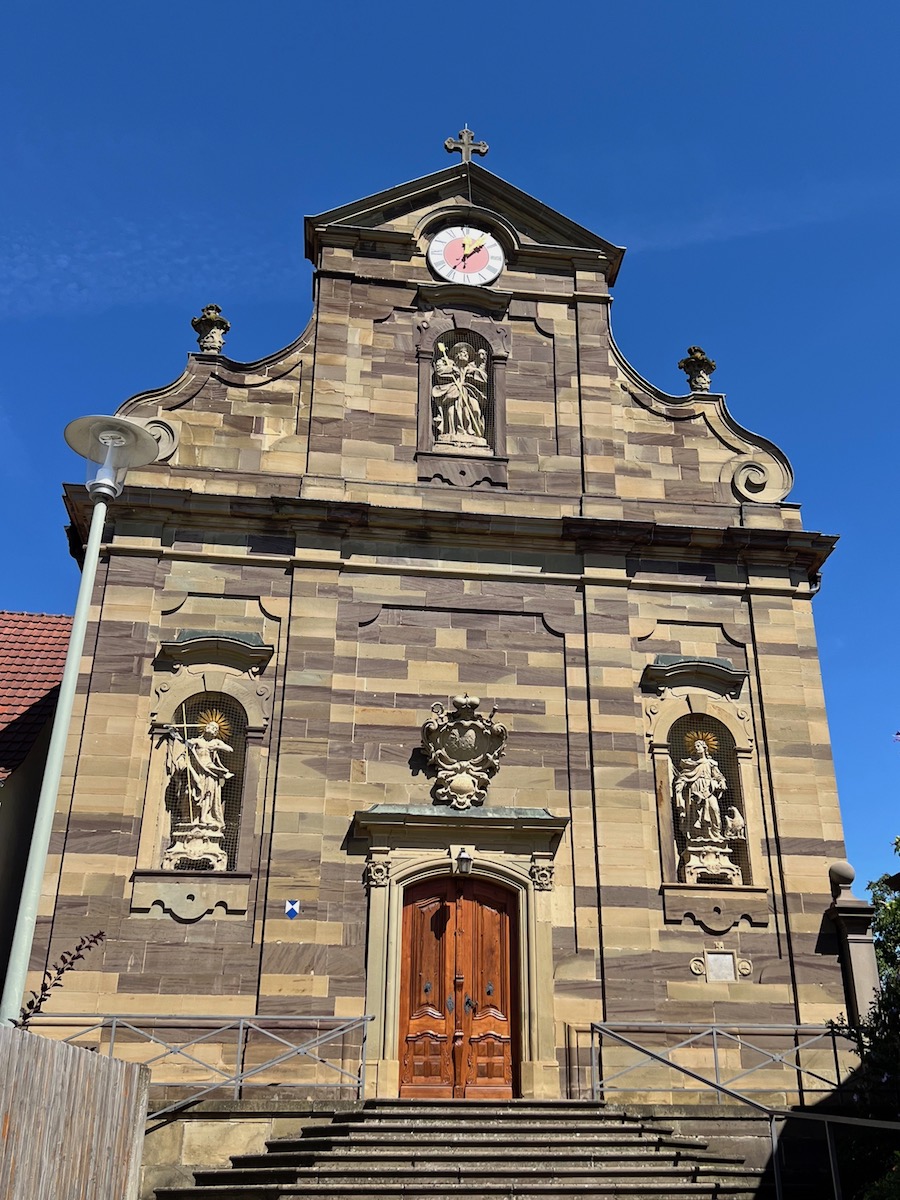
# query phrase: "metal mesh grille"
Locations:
[[477, 342], [726, 757], [187, 722]]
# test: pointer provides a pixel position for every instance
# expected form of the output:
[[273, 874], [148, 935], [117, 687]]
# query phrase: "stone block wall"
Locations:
[[622, 527]]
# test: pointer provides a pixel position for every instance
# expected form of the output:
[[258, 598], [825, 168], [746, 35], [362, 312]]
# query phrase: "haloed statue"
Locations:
[[197, 775], [697, 790]]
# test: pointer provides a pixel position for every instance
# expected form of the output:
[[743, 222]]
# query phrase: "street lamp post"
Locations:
[[111, 445]]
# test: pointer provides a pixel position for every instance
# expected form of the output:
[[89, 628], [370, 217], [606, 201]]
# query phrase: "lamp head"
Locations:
[[110, 445], [464, 862]]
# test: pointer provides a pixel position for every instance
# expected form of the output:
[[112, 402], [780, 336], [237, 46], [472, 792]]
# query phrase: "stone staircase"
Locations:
[[432, 1150]]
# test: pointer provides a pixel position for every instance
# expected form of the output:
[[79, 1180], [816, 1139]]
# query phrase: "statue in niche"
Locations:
[[194, 767], [698, 786], [697, 791], [460, 397]]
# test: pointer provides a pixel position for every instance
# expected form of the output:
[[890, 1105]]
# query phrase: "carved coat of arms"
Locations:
[[466, 747]]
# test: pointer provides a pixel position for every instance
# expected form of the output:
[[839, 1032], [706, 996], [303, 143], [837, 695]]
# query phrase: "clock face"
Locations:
[[464, 254]]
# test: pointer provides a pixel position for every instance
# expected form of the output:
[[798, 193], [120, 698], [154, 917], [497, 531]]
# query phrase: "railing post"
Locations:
[[238, 1060], [838, 1081], [798, 1068], [715, 1045], [361, 1085], [833, 1162], [595, 1063], [776, 1165]]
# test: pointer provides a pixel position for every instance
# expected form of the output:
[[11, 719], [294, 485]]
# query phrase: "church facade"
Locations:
[[446, 671]]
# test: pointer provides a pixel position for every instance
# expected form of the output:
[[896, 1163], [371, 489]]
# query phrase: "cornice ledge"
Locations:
[[800, 547], [419, 817], [336, 234]]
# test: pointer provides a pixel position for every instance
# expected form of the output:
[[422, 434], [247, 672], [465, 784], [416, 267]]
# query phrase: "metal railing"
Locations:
[[204, 1054], [799, 1038], [808, 1062]]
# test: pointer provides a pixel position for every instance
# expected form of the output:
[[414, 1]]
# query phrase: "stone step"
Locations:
[[474, 1169], [413, 1150], [598, 1158], [434, 1129], [505, 1106], [598, 1189], [471, 1111], [434, 1175], [511, 1150]]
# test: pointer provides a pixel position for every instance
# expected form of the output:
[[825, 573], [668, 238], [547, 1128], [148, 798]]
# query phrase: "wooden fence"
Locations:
[[71, 1121]]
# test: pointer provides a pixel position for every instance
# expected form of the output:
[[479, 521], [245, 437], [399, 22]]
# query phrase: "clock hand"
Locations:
[[473, 249]]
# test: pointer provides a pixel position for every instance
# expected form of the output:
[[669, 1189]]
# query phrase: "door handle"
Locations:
[[470, 1005]]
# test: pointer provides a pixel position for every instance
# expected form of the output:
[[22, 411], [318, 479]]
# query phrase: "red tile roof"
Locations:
[[32, 654]]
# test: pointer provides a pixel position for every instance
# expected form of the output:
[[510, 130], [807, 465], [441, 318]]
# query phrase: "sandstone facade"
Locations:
[[619, 570]]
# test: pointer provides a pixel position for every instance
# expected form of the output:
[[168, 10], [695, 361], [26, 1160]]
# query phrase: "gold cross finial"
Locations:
[[466, 145]]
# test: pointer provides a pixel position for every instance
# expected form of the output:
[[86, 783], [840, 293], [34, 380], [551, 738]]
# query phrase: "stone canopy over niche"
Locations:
[[245, 651]]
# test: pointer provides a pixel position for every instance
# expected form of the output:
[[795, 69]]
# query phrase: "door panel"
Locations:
[[457, 998], [490, 1059], [425, 989]]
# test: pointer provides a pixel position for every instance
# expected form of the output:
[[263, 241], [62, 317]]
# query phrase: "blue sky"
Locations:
[[161, 157]]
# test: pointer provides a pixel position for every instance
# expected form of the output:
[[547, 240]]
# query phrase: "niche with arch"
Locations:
[[461, 438], [709, 810], [204, 779], [205, 757], [707, 802]]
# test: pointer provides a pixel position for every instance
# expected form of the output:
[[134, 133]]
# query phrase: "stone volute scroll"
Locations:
[[465, 747]]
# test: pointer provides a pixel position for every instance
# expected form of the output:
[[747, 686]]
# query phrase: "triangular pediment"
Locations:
[[399, 210]]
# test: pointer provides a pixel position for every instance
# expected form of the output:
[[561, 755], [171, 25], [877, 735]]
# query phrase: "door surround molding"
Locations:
[[503, 848]]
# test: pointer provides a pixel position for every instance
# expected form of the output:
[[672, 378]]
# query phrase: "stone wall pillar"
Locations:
[[853, 919]]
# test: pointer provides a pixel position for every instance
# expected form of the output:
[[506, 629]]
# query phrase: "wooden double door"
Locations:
[[458, 993]]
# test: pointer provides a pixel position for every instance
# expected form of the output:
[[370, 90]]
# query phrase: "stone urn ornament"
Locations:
[[211, 328], [698, 367], [466, 747]]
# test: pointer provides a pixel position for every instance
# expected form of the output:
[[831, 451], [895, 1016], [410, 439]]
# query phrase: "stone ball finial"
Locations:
[[211, 328], [841, 876], [698, 367]]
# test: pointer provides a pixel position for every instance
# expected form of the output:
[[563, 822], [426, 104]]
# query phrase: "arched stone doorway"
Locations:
[[512, 849], [459, 985]]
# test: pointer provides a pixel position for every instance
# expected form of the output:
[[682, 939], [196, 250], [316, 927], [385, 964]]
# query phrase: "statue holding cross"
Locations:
[[466, 145]]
